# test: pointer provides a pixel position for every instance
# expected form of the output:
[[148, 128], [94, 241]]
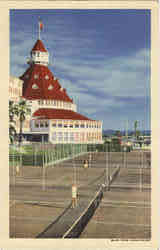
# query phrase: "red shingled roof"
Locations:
[[39, 83], [39, 46], [46, 113]]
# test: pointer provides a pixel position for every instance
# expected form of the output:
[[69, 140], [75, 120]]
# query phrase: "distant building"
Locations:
[[15, 89]]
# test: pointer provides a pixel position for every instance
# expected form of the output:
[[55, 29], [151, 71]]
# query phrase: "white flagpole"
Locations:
[[39, 29]]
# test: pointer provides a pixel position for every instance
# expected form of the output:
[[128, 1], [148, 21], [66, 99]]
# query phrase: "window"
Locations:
[[83, 136], [59, 125], [34, 86], [54, 125], [36, 124], [82, 125], [66, 136], [50, 87], [76, 125], [54, 136], [71, 125], [35, 76], [76, 136], [71, 136], [46, 124], [41, 125], [60, 136], [65, 125]]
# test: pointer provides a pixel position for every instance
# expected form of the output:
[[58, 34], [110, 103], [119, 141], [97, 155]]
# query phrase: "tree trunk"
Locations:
[[20, 132]]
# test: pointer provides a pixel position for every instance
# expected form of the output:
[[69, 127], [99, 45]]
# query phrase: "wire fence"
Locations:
[[47, 154], [43, 154]]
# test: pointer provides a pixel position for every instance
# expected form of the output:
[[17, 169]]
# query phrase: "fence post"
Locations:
[[35, 156], [14, 177], [43, 164]]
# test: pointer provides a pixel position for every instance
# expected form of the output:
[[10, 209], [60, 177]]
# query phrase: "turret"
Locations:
[[39, 55]]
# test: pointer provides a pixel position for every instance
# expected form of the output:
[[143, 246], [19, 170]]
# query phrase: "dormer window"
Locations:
[[50, 87], [34, 86], [35, 76]]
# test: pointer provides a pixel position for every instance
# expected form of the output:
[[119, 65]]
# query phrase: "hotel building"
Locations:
[[53, 113]]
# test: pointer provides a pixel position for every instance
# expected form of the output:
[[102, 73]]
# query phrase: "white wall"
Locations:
[[42, 57]]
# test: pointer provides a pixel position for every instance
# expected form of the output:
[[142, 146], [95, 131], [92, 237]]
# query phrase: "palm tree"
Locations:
[[23, 111], [13, 111], [12, 133]]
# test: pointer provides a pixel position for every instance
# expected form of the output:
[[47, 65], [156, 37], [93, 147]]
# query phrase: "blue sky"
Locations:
[[102, 58]]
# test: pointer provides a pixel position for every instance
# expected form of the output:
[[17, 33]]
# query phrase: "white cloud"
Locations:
[[122, 76]]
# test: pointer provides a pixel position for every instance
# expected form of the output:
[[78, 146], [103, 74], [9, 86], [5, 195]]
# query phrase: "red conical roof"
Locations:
[[39, 84], [39, 46], [46, 113]]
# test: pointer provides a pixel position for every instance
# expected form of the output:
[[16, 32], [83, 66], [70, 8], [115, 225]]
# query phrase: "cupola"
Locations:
[[39, 55]]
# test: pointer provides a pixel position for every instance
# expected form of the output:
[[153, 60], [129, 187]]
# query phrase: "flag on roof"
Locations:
[[40, 24]]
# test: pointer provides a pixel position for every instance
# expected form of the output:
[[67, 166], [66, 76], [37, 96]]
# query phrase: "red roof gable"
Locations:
[[39, 46], [46, 113], [39, 84]]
